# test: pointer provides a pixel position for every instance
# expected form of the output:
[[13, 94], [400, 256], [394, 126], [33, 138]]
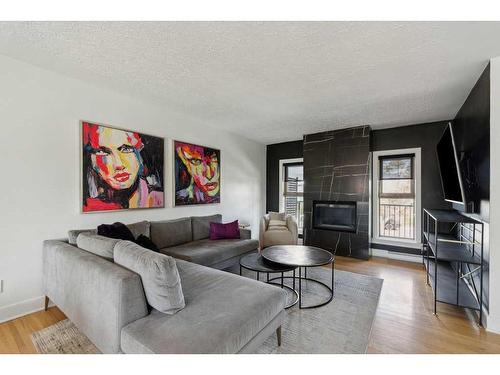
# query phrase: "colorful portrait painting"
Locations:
[[121, 169], [197, 174]]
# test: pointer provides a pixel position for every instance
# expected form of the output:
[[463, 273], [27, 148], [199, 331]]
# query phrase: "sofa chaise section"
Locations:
[[224, 313]]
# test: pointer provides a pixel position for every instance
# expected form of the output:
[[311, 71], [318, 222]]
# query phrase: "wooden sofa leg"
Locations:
[[278, 335], [46, 303]]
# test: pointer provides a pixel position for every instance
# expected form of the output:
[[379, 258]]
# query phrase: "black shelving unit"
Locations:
[[452, 259]]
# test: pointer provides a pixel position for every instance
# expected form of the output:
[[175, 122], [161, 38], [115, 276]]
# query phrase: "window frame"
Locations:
[[410, 195], [285, 180], [282, 177], [417, 176]]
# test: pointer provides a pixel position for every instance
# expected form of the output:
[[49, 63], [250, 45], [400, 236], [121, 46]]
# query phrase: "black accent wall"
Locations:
[[337, 168], [472, 137], [275, 153], [425, 136]]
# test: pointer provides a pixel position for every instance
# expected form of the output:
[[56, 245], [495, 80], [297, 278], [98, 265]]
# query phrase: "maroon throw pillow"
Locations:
[[219, 231]]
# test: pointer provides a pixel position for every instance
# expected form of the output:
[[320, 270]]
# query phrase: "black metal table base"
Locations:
[[280, 284], [300, 278]]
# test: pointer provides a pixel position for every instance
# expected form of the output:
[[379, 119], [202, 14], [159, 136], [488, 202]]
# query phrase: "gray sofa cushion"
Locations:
[[74, 233], [201, 225], [209, 252], [158, 272], [95, 244], [141, 227], [223, 313], [171, 232]]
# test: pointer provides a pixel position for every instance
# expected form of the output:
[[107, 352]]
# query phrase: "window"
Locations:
[[396, 202], [293, 190]]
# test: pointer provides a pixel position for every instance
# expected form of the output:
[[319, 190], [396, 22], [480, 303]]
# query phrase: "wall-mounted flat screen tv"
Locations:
[[451, 178]]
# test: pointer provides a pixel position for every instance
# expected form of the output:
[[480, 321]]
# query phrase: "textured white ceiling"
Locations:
[[272, 81]]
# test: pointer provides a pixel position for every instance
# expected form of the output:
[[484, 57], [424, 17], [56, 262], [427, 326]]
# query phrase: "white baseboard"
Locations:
[[22, 308], [492, 325], [394, 255]]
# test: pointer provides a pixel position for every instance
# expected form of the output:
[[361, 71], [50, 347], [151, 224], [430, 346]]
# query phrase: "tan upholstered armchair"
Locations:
[[278, 229]]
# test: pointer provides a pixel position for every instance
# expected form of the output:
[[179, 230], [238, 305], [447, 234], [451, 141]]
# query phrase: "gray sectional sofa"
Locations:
[[223, 313]]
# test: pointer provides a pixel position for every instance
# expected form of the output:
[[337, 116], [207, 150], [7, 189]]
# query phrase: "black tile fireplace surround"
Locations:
[[335, 215], [337, 170]]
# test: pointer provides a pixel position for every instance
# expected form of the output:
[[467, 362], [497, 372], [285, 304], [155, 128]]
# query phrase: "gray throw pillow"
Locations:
[[96, 244], [159, 274]]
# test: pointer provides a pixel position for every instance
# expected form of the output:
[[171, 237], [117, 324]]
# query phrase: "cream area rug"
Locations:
[[342, 326], [62, 338]]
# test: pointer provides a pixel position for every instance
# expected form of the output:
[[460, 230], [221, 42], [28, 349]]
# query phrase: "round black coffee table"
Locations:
[[302, 257], [255, 262]]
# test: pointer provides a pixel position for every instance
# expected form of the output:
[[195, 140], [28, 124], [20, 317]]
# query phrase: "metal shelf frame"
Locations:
[[459, 250]]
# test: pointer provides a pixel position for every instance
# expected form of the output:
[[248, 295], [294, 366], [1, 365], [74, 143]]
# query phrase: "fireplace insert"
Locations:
[[335, 215]]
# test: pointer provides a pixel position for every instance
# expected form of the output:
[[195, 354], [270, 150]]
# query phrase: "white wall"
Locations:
[[494, 308], [40, 194]]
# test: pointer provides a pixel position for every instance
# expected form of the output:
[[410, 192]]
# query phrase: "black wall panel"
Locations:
[[337, 168], [275, 153]]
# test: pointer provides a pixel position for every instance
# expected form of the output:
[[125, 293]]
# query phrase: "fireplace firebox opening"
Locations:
[[335, 215]]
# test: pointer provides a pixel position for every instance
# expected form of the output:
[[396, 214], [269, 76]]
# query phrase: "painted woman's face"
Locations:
[[116, 159], [203, 168]]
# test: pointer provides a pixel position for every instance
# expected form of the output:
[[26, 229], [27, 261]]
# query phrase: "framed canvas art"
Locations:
[[197, 174], [121, 169]]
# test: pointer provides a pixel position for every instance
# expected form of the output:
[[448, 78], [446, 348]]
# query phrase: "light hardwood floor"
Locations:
[[404, 322]]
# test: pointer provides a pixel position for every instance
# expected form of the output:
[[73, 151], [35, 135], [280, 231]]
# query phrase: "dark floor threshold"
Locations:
[[395, 249]]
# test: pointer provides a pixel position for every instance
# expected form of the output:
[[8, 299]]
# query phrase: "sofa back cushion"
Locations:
[[96, 244], [159, 275], [201, 225], [74, 233], [170, 233], [141, 227]]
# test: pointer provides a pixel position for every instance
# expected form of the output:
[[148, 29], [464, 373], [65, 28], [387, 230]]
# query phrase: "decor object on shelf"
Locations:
[[278, 229], [121, 169], [197, 174]]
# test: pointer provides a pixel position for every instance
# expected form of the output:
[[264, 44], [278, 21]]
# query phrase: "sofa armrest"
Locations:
[[293, 227], [245, 234], [262, 230], [98, 296]]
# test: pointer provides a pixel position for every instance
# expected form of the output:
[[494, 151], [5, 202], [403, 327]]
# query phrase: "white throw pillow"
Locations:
[[277, 223], [276, 216]]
